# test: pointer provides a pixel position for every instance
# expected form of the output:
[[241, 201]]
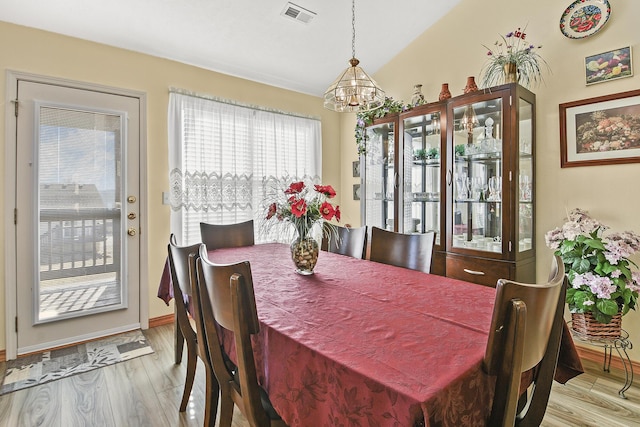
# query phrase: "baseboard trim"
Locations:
[[156, 321], [162, 320], [597, 356]]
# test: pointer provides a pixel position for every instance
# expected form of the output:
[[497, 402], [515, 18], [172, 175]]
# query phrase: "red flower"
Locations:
[[273, 208], [295, 188], [327, 211], [338, 213], [299, 208], [327, 190]]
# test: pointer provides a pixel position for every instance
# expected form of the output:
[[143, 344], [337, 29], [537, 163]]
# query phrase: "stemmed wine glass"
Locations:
[[525, 188], [462, 187], [495, 188]]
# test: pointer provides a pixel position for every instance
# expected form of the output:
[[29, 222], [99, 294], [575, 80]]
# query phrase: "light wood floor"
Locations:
[[146, 392]]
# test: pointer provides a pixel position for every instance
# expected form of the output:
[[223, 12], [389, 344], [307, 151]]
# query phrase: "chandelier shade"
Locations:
[[353, 91]]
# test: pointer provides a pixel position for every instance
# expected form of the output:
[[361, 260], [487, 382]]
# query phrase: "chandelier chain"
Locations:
[[353, 28]]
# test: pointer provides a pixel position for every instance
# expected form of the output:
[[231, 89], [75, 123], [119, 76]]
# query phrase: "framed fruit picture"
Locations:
[[607, 66], [600, 131]]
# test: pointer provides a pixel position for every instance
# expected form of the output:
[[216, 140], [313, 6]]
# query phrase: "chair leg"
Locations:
[[192, 359], [179, 341], [211, 402], [226, 410]]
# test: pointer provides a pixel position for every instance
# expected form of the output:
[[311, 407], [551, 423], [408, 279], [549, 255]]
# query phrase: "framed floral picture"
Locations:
[[608, 66], [600, 131]]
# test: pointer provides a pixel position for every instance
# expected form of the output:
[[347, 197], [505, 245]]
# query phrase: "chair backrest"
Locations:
[[344, 241], [217, 236], [227, 299], [525, 333], [179, 265], [414, 251], [183, 276]]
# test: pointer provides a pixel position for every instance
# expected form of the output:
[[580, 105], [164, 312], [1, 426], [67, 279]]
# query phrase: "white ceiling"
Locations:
[[245, 38]]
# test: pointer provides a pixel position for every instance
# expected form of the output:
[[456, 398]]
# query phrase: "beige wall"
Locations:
[[452, 50], [27, 50]]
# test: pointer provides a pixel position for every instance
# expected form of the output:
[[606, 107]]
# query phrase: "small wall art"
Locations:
[[607, 66], [356, 191], [600, 131], [356, 169]]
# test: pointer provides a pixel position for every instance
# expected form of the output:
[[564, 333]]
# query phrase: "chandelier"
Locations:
[[353, 91]]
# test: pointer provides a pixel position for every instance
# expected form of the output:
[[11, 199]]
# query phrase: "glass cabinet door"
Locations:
[[477, 176], [379, 179], [422, 144], [525, 176]]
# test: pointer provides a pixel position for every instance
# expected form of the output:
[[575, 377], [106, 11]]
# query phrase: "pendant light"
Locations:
[[353, 91]]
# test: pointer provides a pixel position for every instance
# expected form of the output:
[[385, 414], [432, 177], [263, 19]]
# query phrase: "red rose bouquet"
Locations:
[[304, 206]]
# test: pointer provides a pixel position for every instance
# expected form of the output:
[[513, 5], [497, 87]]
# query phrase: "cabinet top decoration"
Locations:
[[366, 118], [513, 49]]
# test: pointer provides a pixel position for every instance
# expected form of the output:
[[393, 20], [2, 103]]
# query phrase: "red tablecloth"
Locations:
[[366, 344]]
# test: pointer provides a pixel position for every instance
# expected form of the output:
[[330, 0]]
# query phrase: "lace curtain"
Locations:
[[223, 155]]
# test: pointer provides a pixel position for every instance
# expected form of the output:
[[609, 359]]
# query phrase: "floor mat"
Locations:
[[52, 365]]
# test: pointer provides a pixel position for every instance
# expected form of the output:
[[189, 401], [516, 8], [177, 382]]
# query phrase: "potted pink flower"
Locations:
[[604, 284]]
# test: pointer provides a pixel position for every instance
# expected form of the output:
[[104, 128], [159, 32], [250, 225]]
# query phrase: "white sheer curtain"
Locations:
[[222, 155]]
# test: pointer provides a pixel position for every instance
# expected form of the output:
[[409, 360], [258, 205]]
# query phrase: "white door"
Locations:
[[77, 214]]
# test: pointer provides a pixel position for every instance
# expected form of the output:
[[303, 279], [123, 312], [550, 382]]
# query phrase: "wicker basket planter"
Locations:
[[586, 326]]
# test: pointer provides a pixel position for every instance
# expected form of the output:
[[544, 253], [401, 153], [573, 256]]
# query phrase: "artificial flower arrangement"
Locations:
[[513, 49], [597, 266], [303, 206], [366, 118]]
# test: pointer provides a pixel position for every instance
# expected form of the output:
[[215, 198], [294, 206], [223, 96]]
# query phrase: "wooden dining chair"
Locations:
[[525, 334], [182, 263], [414, 251], [344, 240], [228, 301], [216, 236]]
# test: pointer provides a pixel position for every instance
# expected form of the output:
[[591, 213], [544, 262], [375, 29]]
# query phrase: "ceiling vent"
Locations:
[[298, 13]]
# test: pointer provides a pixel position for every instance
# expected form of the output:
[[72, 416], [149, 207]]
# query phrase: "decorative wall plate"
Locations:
[[584, 18]]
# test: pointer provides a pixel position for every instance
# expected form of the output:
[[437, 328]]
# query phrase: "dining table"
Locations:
[[361, 343]]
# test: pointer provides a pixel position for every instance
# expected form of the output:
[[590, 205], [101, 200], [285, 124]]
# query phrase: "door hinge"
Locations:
[[16, 323], [15, 216], [509, 245], [15, 106]]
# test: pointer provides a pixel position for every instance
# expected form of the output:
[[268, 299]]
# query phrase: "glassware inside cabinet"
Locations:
[[379, 173], [478, 176], [421, 207], [525, 177]]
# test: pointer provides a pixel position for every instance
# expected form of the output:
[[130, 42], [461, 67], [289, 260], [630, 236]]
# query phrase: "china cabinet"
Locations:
[[378, 175], [463, 167]]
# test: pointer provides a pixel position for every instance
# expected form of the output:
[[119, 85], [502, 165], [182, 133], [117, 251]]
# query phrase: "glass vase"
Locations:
[[304, 253]]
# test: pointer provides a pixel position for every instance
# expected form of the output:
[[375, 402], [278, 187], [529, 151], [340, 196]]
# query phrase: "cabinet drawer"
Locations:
[[478, 270]]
